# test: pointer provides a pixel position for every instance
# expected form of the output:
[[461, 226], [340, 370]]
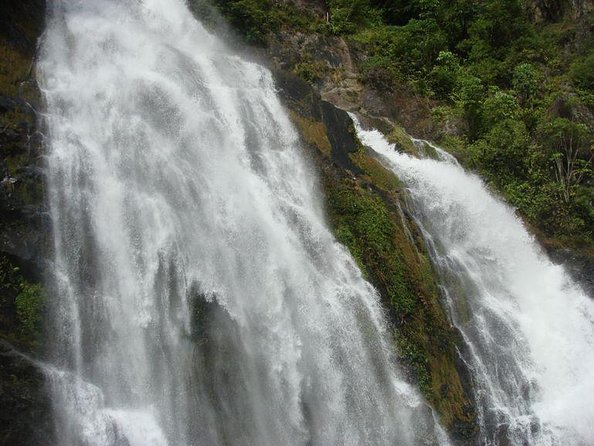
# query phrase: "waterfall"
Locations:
[[528, 329], [199, 296]]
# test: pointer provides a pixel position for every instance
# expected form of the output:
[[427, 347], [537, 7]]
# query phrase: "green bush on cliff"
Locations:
[[582, 72], [29, 305], [21, 306], [254, 18]]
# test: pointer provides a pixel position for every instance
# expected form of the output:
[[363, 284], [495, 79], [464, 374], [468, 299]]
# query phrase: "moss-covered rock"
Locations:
[[402, 140], [367, 218], [364, 205]]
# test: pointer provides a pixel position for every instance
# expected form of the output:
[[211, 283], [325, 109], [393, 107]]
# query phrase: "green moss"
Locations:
[[29, 304], [22, 305], [313, 132], [364, 214], [310, 71], [14, 69], [374, 233], [402, 140], [427, 151], [376, 173]]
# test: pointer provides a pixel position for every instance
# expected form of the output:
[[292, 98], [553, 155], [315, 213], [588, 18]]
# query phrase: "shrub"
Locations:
[[29, 306]]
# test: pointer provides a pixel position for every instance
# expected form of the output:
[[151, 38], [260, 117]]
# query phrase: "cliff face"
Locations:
[[554, 10], [24, 418], [367, 212]]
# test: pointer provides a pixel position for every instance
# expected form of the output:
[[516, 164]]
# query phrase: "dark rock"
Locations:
[[8, 103], [25, 405], [298, 93], [341, 136], [303, 99], [579, 266], [25, 413], [21, 22]]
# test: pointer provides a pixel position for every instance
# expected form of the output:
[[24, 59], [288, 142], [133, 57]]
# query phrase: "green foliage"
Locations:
[[310, 71], [29, 305], [501, 153], [444, 74], [526, 81], [469, 99], [499, 23], [582, 72], [499, 106], [346, 16], [21, 306], [255, 19], [570, 147], [402, 53]]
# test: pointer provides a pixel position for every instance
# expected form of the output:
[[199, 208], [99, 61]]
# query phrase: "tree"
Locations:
[[526, 81], [567, 140]]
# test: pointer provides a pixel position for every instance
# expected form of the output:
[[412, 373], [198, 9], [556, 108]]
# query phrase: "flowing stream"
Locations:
[[199, 297], [529, 331]]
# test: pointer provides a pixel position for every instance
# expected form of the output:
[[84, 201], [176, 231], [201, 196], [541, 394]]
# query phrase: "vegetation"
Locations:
[[364, 212], [515, 100], [29, 305], [368, 221], [21, 307], [520, 95], [524, 94], [255, 19]]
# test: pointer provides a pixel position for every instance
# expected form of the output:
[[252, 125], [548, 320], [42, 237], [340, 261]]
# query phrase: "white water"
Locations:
[[529, 329], [200, 298]]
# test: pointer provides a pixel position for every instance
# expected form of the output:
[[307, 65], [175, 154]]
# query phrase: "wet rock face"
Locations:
[[21, 174], [579, 266], [21, 21], [25, 403], [25, 406], [336, 122]]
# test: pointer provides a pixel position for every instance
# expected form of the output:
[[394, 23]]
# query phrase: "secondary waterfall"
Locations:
[[199, 296], [529, 330]]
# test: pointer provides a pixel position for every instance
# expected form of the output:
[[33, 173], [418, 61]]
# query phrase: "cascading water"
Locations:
[[529, 330], [200, 298]]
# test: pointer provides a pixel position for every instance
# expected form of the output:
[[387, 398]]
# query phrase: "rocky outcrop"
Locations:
[[330, 65], [554, 10]]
